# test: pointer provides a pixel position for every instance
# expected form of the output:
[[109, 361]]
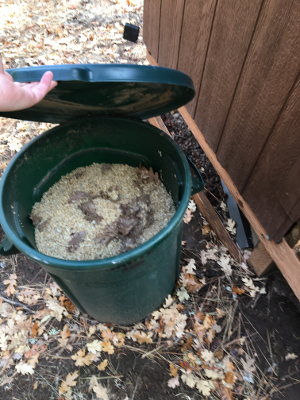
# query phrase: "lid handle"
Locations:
[[59, 74]]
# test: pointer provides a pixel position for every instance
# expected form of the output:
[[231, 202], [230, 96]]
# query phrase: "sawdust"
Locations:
[[100, 211]]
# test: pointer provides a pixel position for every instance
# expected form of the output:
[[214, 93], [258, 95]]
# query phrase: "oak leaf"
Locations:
[[142, 337], [107, 347], [189, 380], [102, 365], [77, 196], [168, 301], [81, 359], [208, 357], [191, 283], [190, 267], [89, 210], [94, 346], [65, 333], [230, 226], [33, 360], [173, 370], [74, 243], [34, 329], [237, 290], [204, 387], [206, 229], [11, 282], [69, 382], [187, 216], [187, 345], [229, 377], [214, 375], [224, 264], [173, 382], [291, 356], [29, 296], [100, 391], [24, 368], [182, 294], [108, 334]]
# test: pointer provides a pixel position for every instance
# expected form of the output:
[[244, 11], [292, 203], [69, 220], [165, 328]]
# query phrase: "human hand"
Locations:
[[17, 96]]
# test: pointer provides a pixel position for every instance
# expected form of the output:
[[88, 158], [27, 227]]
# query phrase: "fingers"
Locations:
[[1, 67], [40, 89], [44, 86]]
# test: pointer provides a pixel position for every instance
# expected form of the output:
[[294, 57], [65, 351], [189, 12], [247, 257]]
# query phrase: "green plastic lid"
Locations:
[[87, 90]]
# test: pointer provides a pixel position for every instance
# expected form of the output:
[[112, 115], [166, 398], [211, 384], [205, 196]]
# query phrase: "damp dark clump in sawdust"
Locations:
[[101, 211]]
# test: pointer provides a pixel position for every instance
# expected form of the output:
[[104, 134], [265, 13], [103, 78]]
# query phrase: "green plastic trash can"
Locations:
[[100, 109]]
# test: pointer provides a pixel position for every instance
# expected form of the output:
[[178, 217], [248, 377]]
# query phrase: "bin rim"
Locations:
[[105, 263]]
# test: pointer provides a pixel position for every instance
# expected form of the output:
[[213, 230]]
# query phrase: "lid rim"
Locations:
[[84, 90]]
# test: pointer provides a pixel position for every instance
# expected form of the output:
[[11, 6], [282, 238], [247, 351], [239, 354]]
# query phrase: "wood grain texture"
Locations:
[[260, 261], [273, 191], [206, 208], [195, 34], [231, 35], [171, 22], [268, 75], [217, 226], [151, 25], [158, 122], [283, 256]]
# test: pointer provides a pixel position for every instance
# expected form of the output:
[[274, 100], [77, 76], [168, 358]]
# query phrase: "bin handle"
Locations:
[[7, 248], [197, 183]]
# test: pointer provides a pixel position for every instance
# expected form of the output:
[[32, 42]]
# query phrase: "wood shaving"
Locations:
[[100, 211]]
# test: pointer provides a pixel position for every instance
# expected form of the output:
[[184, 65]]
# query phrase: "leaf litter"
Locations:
[[197, 338]]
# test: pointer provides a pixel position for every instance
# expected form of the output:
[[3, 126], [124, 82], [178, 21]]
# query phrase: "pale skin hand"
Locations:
[[17, 96]]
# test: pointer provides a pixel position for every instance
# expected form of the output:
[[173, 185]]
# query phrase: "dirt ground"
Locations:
[[230, 336]]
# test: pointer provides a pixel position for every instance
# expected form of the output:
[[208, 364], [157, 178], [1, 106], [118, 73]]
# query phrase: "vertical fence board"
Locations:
[[269, 72], [232, 31], [195, 34], [171, 20], [151, 26], [267, 190]]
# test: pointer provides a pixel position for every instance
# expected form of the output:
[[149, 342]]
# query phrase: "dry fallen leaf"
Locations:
[[24, 368], [187, 216], [102, 365], [74, 243], [108, 334], [291, 356], [94, 346], [173, 370], [229, 377], [11, 282], [187, 345], [69, 382], [208, 357], [142, 337], [71, 308], [206, 229], [81, 359], [107, 347], [34, 329], [33, 360], [231, 226], [173, 382], [65, 333], [100, 391], [237, 290], [29, 296], [191, 283]]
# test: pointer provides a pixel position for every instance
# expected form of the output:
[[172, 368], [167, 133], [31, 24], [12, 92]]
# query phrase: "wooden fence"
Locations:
[[243, 57]]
